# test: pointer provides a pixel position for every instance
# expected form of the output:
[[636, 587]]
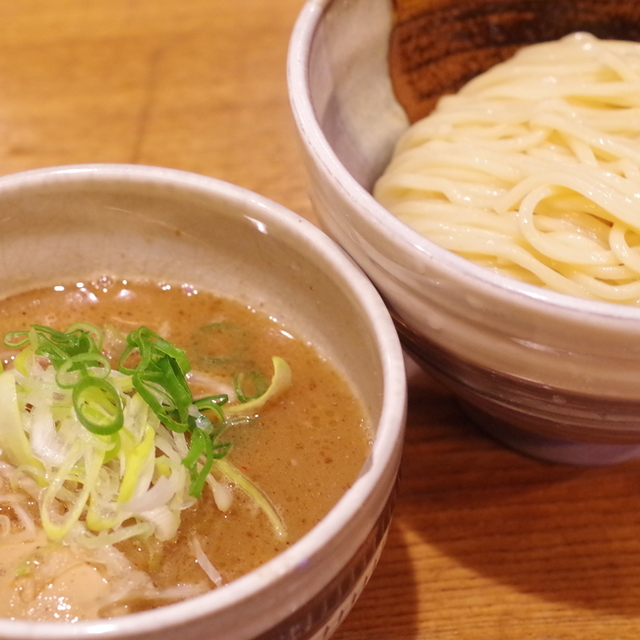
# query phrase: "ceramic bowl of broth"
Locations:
[[554, 375], [234, 280]]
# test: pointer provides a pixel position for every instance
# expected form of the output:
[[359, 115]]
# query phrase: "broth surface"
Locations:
[[304, 451]]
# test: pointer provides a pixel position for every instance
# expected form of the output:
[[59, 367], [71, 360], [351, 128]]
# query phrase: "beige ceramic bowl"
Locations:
[[554, 376], [70, 222]]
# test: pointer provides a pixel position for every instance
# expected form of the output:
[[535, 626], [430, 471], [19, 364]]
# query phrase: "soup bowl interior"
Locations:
[[68, 224], [551, 375]]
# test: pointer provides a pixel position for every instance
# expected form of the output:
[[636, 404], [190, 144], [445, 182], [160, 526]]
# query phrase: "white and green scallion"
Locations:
[[114, 453]]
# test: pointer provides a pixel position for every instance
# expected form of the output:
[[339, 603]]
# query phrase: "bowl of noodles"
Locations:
[[203, 406], [481, 163]]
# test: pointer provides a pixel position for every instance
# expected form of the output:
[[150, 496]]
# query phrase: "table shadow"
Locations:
[[565, 534]]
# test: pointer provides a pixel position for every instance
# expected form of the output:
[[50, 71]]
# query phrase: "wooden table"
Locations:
[[486, 544]]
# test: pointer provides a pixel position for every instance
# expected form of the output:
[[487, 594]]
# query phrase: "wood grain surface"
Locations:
[[486, 543]]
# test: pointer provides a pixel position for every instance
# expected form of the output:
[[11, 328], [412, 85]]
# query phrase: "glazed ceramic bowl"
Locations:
[[69, 222], [555, 376]]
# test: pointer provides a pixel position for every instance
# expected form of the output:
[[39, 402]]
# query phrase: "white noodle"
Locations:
[[533, 169]]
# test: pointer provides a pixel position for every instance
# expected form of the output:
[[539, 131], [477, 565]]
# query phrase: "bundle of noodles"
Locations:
[[533, 169]]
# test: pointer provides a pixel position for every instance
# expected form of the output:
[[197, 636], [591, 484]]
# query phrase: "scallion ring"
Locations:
[[76, 367], [98, 406]]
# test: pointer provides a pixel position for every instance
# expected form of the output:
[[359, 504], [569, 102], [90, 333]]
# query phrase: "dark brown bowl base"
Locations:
[[437, 46], [544, 422]]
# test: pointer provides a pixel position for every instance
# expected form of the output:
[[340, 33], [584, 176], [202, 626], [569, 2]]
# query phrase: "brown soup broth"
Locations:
[[304, 452]]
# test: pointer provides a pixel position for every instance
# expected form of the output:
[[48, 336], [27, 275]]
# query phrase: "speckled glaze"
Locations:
[[554, 376], [75, 222]]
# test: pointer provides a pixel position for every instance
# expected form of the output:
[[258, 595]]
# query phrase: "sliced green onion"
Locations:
[[135, 457], [168, 434], [238, 478], [255, 380], [201, 445], [80, 365], [213, 403], [279, 382], [98, 406], [16, 339], [95, 334]]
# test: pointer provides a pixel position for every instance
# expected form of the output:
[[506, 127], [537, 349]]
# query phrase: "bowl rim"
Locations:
[[383, 223], [384, 455]]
